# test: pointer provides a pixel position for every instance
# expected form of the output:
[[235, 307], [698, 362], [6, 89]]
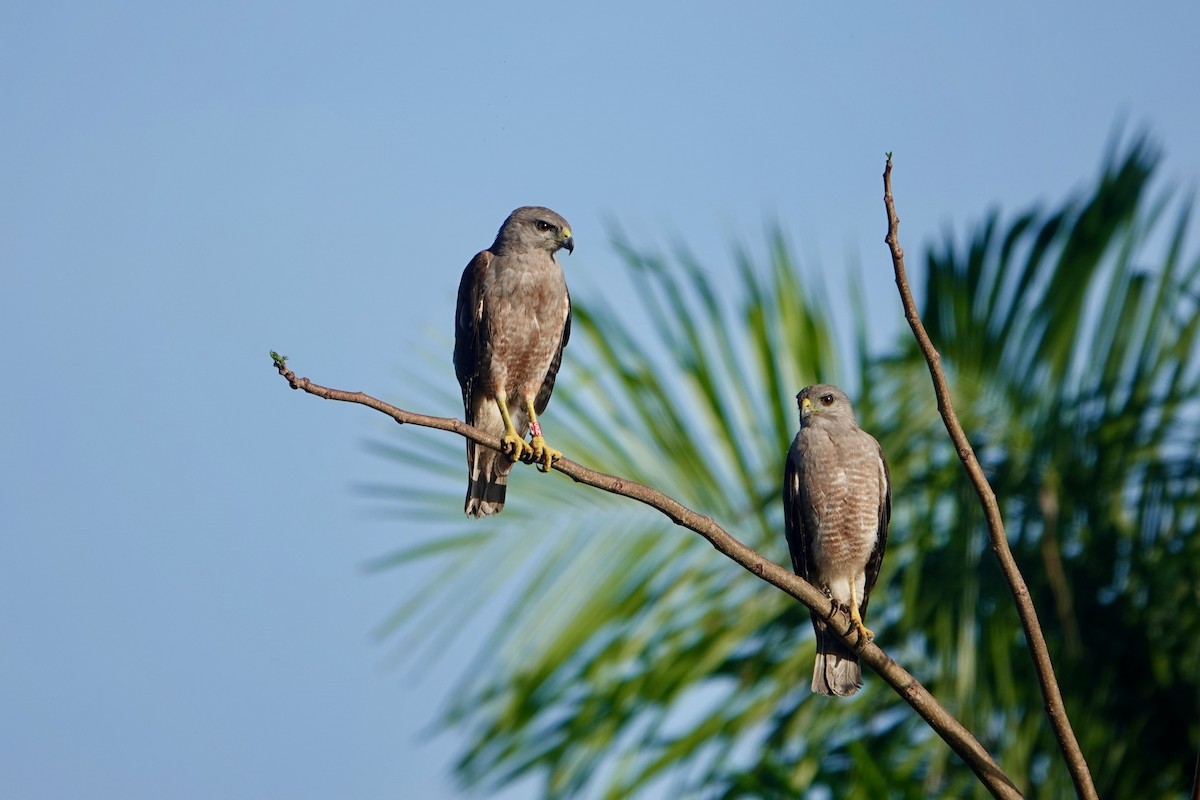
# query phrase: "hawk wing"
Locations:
[[799, 538], [469, 328], [885, 517], [543, 396]]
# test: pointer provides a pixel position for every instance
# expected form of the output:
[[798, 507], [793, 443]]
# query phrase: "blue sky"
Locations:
[[186, 186]]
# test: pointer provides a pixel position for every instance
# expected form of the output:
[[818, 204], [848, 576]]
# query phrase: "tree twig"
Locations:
[[961, 740], [1196, 779], [1051, 695]]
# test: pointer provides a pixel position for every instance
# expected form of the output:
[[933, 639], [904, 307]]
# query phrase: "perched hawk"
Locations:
[[837, 501], [512, 322]]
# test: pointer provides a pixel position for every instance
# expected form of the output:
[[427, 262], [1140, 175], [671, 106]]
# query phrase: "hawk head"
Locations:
[[824, 405], [534, 228]]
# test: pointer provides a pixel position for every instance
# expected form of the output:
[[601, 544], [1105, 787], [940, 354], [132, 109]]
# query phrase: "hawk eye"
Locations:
[[826, 399], [543, 226]]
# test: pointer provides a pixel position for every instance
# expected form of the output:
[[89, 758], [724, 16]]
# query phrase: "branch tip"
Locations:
[[1034, 637]]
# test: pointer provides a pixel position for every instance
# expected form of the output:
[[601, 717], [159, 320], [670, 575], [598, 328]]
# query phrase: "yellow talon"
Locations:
[[513, 446], [542, 454], [865, 634]]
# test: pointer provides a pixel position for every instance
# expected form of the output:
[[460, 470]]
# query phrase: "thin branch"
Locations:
[[1196, 779], [1051, 695], [909, 688]]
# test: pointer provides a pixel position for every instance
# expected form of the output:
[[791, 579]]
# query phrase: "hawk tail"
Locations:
[[836, 672], [487, 481]]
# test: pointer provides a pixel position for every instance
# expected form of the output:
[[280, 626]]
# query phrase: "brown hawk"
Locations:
[[512, 322], [837, 501]]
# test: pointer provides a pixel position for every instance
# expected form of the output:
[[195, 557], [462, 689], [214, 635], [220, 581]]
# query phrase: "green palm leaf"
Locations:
[[630, 656]]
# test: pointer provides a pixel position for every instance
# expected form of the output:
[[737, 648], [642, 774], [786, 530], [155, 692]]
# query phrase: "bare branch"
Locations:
[[909, 688], [1051, 695], [1196, 779]]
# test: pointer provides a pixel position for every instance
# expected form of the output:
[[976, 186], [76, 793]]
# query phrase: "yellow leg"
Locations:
[[865, 634], [511, 444], [541, 454]]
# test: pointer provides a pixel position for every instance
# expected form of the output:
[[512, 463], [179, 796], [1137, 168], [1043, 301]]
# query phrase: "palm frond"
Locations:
[[630, 657]]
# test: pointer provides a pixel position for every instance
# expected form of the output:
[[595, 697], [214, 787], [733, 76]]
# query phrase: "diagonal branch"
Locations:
[[1196, 779], [1051, 695], [961, 740]]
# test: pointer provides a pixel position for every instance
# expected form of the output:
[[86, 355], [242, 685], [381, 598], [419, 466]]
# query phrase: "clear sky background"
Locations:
[[184, 611]]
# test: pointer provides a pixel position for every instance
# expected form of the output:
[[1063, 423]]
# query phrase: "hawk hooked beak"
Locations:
[[806, 408], [568, 241]]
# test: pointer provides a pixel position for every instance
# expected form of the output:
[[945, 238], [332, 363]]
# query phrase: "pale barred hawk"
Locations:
[[837, 501]]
